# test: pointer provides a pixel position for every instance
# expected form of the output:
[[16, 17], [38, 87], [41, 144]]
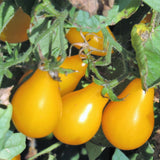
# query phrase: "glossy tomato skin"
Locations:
[[69, 82], [81, 116], [128, 124], [18, 157], [95, 39], [37, 105], [16, 30]]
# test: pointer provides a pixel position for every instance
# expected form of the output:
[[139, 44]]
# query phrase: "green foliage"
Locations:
[[122, 9], [5, 117], [82, 20], [11, 144], [146, 44], [51, 33]]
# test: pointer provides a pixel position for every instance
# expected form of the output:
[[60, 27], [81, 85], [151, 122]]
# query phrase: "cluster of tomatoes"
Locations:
[[39, 108], [42, 105]]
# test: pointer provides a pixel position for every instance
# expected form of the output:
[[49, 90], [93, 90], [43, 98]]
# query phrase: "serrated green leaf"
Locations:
[[119, 155], [93, 150], [5, 117], [154, 4], [48, 37], [83, 19], [146, 45], [14, 145], [7, 10], [122, 9]]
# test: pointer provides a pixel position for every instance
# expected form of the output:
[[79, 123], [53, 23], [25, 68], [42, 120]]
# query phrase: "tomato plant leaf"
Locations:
[[48, 36], [47, 8], [11, 61], [122, 9], [11, 144], [93, 150], [153, 4], [82, 20], [14, 145], [7, 10], [5, 117], [146, 45], [118, 154]]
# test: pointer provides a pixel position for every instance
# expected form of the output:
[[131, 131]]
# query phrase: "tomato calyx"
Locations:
[[54, 66]]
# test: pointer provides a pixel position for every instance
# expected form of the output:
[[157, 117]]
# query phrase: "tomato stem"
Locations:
[[47, 150]]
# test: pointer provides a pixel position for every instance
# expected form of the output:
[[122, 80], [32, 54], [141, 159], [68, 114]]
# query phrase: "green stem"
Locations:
[[47, 150], [95, 71]]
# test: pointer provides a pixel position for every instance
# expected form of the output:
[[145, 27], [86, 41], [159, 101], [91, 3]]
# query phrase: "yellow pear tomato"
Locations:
[[37, 105], [81, 116], [128, 124]]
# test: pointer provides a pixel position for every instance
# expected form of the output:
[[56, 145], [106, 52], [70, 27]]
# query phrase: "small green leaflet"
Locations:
[[11, 144], [122, 9], [5, 117], [147, 53], [14, 144]]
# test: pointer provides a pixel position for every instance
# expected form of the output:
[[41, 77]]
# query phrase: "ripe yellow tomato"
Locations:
[[95, 39], [16, 29], [81, 116], [37, 105], [128, 124], [17, 157], [70, 81]]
